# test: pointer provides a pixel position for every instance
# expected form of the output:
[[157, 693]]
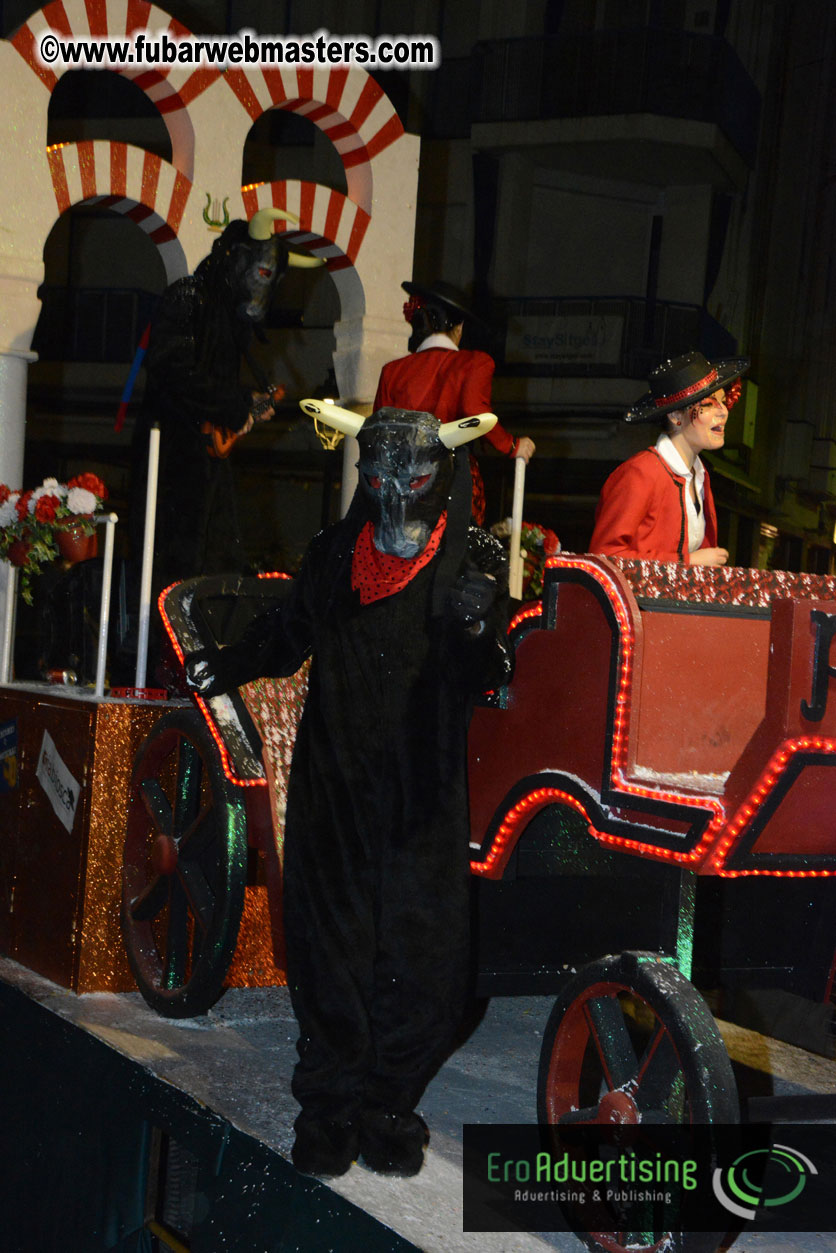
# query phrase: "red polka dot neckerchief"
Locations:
[[375, 574]]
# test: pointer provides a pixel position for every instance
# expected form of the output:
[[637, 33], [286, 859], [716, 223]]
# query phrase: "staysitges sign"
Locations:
[[61, 788], [564, 340]]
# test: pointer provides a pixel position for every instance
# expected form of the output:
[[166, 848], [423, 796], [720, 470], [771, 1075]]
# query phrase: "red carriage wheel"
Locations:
[[184, 868], [631, 1041]]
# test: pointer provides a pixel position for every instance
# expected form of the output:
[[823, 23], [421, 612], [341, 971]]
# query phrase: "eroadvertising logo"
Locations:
[[742, 1187], [61, 787], [649, 1178]]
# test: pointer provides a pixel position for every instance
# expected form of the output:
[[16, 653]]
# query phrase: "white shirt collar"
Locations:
[[667, 450], [438, 340]]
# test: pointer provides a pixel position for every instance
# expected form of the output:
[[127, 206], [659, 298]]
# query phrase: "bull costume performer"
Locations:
[[204, 326], [402, 606]]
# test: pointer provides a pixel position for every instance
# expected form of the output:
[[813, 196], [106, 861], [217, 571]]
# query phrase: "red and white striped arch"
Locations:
[[170, 89], [347, 105], [130, 181], [330, 226]]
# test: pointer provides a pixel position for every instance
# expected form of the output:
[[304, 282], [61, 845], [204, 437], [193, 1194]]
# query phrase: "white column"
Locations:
[[13, 372], [14, 364], [364, 345]]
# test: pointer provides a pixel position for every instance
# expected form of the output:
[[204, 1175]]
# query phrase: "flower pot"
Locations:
[[74, 544], [18, 554]]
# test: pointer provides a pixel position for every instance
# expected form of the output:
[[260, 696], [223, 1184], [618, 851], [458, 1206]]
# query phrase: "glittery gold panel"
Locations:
[[62, 898], [60, 892], [118, 732], [43, 861], [275, 706], [722, 585], [253, 965]]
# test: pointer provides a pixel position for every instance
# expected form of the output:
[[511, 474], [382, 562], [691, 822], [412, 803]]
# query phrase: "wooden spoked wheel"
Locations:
[[631, 1042], [184, 867]]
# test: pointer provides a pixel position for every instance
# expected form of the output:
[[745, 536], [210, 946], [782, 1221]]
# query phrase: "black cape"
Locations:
[[376, 838]]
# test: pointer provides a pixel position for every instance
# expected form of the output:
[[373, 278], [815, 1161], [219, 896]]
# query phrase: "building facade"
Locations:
[[617, 181]]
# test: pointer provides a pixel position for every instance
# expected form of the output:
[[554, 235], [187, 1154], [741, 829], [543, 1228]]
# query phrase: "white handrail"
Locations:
[[109, 520], [147, 556], [8, 624], [515, 561]]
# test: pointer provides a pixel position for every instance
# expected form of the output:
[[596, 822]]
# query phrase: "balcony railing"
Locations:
[[615, 337], [91, 323], [676, 74]]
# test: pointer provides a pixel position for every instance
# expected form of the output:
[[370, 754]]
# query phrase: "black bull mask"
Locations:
[[405, 475], [253, 269], [406, 468], [249, 260]]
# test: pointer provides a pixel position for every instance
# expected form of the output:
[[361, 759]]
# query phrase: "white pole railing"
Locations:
[[8, 624], [515, 561], [109, 520], [147, 557]]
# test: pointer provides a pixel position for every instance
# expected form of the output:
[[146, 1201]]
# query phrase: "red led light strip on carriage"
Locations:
[[765, 785], [534, 610], [513, 821], [522, 813], [204, 708], [201, 703], [623, 700]]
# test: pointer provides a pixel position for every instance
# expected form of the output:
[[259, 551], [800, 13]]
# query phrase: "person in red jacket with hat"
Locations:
[[658, 504], [441, 378]]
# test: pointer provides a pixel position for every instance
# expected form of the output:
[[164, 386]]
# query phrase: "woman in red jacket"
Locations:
[[441, 378], [658, 504]]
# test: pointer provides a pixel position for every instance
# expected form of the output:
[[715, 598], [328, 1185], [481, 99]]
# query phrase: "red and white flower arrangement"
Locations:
[[537, 544], [33, 523]]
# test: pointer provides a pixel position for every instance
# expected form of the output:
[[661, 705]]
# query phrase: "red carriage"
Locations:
[[651, 798]]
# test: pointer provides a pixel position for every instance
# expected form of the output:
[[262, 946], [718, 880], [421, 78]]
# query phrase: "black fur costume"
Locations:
[[204, 325], [376, 844]]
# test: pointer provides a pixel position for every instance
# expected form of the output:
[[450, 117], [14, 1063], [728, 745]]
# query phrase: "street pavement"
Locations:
[[238, 1060]]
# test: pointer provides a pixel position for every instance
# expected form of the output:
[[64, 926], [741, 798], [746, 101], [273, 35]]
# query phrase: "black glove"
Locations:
[[472, 596], [202, 671]]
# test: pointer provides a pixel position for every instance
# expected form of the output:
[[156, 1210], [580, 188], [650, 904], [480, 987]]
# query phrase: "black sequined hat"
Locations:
[[684, 381], [444, 294]]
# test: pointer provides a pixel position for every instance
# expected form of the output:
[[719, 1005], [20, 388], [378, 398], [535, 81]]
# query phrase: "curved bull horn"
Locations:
[[452, 434], [332, 415], [261, 223], [304, 260], [261, 227]]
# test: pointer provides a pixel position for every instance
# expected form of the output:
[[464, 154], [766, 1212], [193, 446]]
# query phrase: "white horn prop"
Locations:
[[261, 222], [332, 415], [304, 261], [452, 434]]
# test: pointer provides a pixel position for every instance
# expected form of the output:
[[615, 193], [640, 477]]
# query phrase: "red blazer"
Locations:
[[641, 512], [443, 382]]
